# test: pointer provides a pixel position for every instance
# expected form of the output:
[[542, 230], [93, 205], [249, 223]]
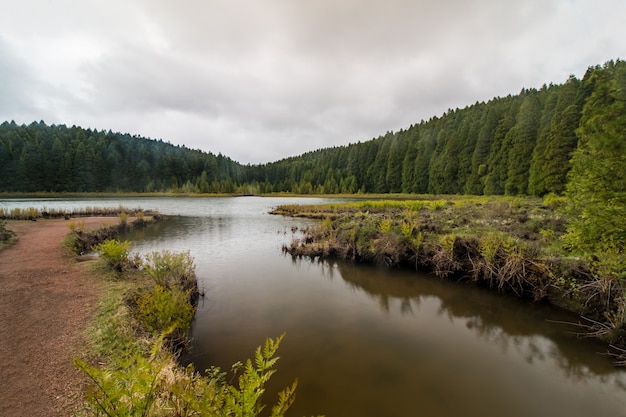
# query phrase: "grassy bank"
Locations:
[[509, 244], [32, 213], [141, 326]]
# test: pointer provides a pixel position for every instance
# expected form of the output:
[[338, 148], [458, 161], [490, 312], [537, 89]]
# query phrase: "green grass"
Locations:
[[111, 329], [32, 213]]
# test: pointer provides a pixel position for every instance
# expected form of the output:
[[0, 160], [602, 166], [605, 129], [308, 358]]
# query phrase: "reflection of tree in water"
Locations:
[[537, 332]]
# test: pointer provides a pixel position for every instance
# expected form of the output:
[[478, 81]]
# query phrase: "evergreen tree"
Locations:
[[536, 173], [522, 138], [563, 139], [394, 164], [480, 153], [408, 168], [377, 172], [498, 160], [425, 150], [472, 124], [596, 189]]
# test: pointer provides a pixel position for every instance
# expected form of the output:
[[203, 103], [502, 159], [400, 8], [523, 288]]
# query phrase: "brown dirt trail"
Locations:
[[46, 301]]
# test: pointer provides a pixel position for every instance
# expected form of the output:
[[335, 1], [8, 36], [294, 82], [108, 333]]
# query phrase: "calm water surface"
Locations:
[[368, 341]]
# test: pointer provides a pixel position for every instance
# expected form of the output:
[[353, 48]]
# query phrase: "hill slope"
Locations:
[[512, 145]]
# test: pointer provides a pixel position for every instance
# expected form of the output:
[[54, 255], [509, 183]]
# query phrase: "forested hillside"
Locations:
[[513, 145], [519, 144], [38, 157]]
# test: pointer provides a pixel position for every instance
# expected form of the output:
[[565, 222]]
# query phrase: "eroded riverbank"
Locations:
[[509, 245]]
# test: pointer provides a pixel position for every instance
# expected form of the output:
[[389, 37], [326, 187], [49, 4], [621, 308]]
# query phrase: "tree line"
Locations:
[[513, 145], [38, 157]]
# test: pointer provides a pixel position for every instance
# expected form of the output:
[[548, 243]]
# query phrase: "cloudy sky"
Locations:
[[259, 80]]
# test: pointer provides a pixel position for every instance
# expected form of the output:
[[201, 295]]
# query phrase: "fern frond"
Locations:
[[285, 399]]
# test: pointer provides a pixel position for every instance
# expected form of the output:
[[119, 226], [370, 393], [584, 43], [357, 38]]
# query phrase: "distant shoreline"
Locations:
[[356, 196]]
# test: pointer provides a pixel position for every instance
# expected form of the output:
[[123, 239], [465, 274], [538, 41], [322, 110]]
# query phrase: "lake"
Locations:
[[366, 340]]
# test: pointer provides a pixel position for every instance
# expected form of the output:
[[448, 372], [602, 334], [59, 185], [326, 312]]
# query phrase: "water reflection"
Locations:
[[372, 341], [536, 332]]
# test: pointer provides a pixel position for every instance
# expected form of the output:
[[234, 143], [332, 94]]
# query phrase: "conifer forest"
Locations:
[[515, 145]]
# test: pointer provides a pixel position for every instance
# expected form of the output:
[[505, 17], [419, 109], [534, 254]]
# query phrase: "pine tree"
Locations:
[[536, 172], [563, 138], [488, 122], [394, 164], [425, 150], [522, 137], [408, 168], [498, 160], [596, 189]]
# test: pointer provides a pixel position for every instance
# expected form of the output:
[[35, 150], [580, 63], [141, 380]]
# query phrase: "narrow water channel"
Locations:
[[369, 341]]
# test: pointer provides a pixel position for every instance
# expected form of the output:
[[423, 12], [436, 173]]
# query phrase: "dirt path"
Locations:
[[46, 299]]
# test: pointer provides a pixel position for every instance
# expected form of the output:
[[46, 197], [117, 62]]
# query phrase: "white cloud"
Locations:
[[258, 81]]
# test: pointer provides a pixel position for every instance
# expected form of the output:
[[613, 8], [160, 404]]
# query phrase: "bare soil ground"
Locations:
[[46, 301]]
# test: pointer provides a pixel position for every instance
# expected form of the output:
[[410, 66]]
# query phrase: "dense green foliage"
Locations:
[[514, 145], [114, 253], [597, 186], [162, 308], [596, 191], [56, 158], [153, 385]]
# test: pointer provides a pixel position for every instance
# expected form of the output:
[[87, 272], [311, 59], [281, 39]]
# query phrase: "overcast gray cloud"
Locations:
[[262, 80]]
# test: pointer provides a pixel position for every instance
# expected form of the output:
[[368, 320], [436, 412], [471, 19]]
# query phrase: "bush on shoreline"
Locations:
[[82, 241], [114, 253]]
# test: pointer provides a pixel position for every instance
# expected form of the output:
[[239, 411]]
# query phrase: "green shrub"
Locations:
[[165, 309], [407, 227], [417, 242], [170, 268], [130, 389], [496, 244], [114, 252], [447, 243], [554, 201], [385, 225], [76, 227], [327, 224], [154, 385]]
